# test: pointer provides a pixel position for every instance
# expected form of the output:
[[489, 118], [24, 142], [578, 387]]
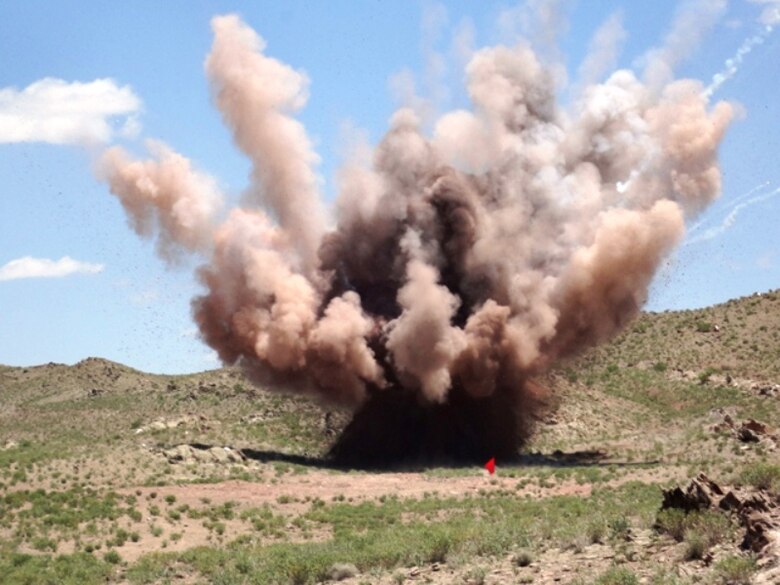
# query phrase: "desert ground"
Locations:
[[111, 475]]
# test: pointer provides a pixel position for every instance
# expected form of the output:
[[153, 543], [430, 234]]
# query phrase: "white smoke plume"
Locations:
[[462, 262], [603, 50]]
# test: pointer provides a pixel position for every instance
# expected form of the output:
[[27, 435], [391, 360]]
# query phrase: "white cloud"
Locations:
[[55, 111], [29, 267], [770, 15]]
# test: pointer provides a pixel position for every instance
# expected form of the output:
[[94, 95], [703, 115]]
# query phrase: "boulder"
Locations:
[[757, 511], [699, 495]]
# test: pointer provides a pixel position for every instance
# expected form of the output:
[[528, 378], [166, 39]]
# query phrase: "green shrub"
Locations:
[[112, 557], [44, 543], [672, 521], [523, 558], [705, 376], [735, 570], [765, 476], [619, 527], [695, 546], [77, 569], [700, 530], [617, 576], [596, 531]]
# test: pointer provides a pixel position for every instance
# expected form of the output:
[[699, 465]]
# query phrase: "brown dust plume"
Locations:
[[461, 259]]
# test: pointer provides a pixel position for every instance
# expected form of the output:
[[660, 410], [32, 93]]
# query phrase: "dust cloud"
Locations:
[[460, 260]]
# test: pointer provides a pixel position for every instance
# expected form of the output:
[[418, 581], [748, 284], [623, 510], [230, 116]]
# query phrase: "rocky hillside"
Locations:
[[108, 474]]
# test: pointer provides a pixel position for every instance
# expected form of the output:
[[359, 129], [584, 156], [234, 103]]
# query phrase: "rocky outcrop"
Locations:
[[749, 431], [757, 511], [196, 453], [161, 424]]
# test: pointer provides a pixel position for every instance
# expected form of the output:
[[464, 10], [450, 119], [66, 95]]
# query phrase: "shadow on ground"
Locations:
[[560, 459]]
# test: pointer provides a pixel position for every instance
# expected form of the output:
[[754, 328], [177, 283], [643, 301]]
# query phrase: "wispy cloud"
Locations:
[[770, 15], [145, 297], [729, 204], [729, 221], [60, 112], [28, 267], [766, 261], [692, 21]]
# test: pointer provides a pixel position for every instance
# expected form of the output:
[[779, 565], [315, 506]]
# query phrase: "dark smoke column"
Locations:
[[461, 264]]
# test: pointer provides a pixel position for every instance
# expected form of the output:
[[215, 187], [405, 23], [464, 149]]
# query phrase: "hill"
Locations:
[[111, 474]]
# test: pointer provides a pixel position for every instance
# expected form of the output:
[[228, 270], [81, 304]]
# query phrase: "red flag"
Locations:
[[491, 465]]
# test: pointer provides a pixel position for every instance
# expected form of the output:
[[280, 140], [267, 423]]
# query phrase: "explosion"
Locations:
[[461, 261]]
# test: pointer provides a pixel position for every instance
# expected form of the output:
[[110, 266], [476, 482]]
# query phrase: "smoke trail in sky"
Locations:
[[732, 65], [729, 205], [730, 219]]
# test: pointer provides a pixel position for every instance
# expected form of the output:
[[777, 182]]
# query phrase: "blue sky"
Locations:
[[95, 288]]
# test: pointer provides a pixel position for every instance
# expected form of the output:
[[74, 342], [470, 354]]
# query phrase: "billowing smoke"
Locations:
[[461, 261]]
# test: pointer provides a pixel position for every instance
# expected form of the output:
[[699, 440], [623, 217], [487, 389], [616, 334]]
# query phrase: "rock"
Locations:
[[755, 426], [219, 455], [197, 453], [766, 389], [752, 431], [756, 510], [745, 435], [180, 454], [225, 455], [341, 571], [329, 428], [698, 495], [758, 529], [730, 502]]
